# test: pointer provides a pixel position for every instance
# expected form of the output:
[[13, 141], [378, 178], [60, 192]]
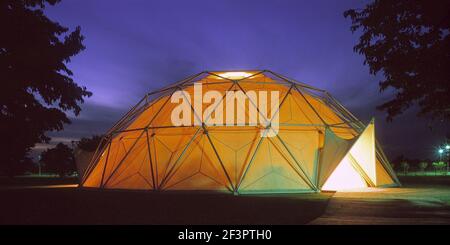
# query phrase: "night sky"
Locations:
[[136, 46]]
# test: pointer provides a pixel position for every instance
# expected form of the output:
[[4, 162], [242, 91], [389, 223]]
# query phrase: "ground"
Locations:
[[421, 200]]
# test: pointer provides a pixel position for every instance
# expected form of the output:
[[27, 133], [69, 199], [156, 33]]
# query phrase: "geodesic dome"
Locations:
[[319, 145]]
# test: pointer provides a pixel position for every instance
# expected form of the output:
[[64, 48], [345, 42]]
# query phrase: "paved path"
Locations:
[[388, 206]]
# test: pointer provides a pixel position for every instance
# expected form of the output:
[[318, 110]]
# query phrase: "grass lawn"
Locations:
[[421, 198], [78, 206], [411, 181], [33, 180]]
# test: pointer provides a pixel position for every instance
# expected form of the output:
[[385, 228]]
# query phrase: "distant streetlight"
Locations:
[[39, 164], [447, 149], [440, 151]]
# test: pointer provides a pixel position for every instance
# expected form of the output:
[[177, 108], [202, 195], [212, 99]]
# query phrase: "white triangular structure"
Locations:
[[360, 166], [363, 152], [333, 152]]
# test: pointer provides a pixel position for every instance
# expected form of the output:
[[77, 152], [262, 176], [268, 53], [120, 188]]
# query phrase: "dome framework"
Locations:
[[319, 144]]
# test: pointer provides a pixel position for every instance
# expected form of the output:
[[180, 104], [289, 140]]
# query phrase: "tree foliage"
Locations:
[[59, 159], [423, 166], [439, 165], [37, 86], [89, 144], [405, 167], [408, 42]]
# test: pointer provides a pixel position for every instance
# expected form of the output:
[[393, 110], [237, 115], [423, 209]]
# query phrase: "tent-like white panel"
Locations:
[[360, 167]]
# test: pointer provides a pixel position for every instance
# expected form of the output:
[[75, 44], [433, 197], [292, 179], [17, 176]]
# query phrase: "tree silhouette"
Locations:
[[408, 42], [423, 166], [59, 160], [37, 88], [405, 167], [89, 144]]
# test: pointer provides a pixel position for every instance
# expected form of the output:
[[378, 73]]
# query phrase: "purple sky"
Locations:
[[136, 46]]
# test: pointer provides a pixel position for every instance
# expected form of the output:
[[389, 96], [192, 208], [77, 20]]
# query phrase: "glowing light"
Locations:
[[235, 75], [441, 151], [447, 147], [344, 177]]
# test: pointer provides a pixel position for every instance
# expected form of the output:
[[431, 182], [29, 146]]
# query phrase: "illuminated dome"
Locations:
[[316, 144]]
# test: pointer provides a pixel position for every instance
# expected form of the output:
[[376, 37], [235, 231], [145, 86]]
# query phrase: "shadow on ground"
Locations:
[[76, 206]]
